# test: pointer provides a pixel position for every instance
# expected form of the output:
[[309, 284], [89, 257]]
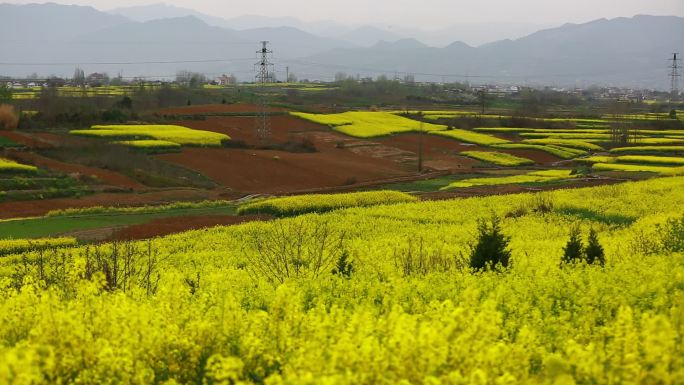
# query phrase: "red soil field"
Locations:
[[270, 171], [252, 171], [242, 128], [41, 207], [105, 176], [216, 109], [25, 139], [437, 147], [166, 226]]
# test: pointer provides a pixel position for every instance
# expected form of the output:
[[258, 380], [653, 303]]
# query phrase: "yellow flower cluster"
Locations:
[[168, 133], [211, 321], [318, 203]]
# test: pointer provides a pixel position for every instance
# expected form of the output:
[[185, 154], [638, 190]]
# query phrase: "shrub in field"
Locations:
[[8, 118], [491, 249], [498, 158], [301, 248], [296, 205], [573, 251], [594, 251]]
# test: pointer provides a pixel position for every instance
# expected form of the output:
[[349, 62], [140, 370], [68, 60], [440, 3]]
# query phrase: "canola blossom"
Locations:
[[408, 312], [498, 158], [364, 124], [168, 133], [318, 203], [11, 166]]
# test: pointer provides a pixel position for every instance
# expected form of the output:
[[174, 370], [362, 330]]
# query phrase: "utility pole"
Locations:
[[263, 78], [674, 77], [420, 144], [287, 74]]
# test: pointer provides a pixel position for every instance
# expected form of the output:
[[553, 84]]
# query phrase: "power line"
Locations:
[[123, 63]]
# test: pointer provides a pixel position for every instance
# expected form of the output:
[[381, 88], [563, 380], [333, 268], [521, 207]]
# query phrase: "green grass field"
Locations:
[[65, 223]]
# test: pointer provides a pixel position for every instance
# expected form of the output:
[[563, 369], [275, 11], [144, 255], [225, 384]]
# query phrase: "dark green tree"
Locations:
[[344, 267], [594, 251], [573, 250], [673, 114], [5, 93], [491, 250]]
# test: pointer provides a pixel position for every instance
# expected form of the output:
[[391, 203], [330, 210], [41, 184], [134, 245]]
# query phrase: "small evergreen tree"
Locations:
[[573, 250], [594, 251], [673, 114], [344, 267], [491, 250]]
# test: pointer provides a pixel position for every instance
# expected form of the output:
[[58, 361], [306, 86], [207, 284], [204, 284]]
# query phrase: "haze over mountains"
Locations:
[[159, 40]]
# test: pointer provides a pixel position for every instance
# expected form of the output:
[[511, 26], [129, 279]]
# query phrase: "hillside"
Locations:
[[622, 51]]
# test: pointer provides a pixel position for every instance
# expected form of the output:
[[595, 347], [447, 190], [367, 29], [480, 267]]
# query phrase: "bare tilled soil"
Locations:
[[167, 226]]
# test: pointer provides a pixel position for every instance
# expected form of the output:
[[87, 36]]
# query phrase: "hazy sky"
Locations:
[[418, 13]]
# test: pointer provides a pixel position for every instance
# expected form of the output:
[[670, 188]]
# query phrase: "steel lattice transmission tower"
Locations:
[[264, 76], [674, 76]]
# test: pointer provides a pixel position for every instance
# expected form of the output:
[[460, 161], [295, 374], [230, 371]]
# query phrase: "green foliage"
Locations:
[[594, 251], [491, 249], [344, 266], [573, 251], [671, 235], [5, 93]]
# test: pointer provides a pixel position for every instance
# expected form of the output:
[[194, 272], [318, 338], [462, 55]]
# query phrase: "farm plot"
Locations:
[[536, 177], [498, 158], [289, 206], [10, 166], [662, 170], [369, 124], [382, 296], [167, 133]]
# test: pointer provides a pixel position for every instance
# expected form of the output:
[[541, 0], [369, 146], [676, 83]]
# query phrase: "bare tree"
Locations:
[[295, 248]]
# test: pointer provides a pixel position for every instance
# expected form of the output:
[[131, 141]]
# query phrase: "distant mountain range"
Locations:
[[160, 40]]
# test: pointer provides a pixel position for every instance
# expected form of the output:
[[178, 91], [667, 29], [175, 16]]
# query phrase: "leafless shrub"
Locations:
[[123, 266], [8, 118], [295, 248], [416, 260]]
